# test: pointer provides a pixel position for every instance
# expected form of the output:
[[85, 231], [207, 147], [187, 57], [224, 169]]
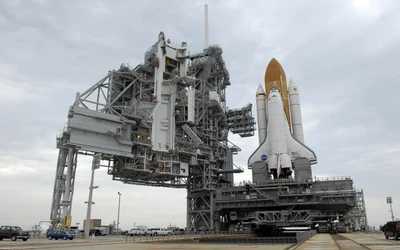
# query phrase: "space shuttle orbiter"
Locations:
[[278, 145]]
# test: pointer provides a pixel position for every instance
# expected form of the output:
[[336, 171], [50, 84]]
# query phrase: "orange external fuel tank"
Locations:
[[275, 76]]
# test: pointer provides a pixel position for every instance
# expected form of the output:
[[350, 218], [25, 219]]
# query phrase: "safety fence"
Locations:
[[227, 238], [288, 238]]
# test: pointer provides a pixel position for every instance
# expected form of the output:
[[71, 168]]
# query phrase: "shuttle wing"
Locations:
[[297, 149], [261, 152]]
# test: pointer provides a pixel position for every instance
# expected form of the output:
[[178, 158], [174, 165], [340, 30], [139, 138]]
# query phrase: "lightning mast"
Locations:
[[205, 26]]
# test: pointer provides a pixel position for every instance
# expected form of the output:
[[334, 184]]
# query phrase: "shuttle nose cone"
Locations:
[[274, 93]]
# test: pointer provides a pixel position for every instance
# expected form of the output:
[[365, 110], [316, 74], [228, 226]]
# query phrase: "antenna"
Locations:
[[206, 25]]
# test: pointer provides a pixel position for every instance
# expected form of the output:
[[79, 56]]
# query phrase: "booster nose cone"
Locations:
[[292, 83], [260, 90]]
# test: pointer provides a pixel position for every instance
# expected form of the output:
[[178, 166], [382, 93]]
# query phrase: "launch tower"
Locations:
[[163, 123]]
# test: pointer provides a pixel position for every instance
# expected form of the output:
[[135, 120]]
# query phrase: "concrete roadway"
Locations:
[[351, 241], [319, 241], [125, 243]]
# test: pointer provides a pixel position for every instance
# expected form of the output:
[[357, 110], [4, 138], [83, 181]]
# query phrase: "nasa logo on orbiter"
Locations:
[[264, 157]]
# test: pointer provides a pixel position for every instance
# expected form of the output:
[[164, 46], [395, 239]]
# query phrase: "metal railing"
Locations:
[[336, 178]]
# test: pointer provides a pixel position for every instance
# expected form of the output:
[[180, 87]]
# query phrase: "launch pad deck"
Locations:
[[287, 202], [319, 241]]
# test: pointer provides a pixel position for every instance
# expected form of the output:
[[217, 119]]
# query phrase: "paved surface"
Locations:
[[106, 245], [374, 241], [147, 246], [137, 243], [345, 243], [320, 241], [349, 241]]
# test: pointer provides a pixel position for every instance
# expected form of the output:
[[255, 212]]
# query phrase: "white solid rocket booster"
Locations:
[[295, 110], [261, 114]]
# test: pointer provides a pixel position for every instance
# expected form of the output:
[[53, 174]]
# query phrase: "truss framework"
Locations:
[[163, 123]]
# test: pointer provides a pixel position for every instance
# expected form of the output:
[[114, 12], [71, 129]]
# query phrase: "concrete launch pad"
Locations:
[[318, 241]]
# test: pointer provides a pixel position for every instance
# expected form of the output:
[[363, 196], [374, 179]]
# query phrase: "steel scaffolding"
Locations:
[[163, 123]]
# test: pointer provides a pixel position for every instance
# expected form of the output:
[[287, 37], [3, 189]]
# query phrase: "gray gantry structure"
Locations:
[[163, 123]]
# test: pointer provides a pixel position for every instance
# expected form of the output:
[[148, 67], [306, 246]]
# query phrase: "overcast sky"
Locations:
[[343, 55]]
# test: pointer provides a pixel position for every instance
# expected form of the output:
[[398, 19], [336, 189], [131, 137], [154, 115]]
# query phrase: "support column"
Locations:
[[66, 201], [95, 165], [188, 224], [212, 227], [217, 226], [356, 224], [59, 188]]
